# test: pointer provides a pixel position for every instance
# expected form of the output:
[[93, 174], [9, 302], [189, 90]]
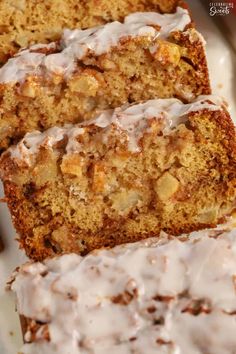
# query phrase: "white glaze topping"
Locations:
[[75, 44], [131, 119], [170, 298]]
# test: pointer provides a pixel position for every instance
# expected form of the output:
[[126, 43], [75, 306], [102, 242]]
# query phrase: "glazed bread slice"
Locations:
[[27, 22], [147, 297], [122, 177], [148, 56]]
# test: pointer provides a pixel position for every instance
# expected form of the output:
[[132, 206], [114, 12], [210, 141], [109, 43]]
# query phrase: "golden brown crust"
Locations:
[[127, 73], [27, 22], [189, 186]]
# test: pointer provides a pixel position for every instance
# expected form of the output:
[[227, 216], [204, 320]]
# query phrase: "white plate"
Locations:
[[221, 64]]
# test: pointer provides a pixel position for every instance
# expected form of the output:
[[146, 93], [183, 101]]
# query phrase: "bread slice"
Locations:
[[141, 298], [27, 22], [125, 176], [148, 56]]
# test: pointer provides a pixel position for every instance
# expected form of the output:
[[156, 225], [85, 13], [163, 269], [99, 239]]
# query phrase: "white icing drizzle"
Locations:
[[131, 119], [31, 143], [136, 298], [75, 44], [168, 22]]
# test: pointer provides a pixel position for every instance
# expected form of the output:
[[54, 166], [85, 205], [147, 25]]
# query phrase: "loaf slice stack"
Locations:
[[109, 136]]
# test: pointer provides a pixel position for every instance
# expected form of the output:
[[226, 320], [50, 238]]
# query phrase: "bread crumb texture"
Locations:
[[102, 191]]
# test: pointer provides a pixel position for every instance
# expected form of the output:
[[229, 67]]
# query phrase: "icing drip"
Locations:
[[132, 120], [76, 44], [174, 297]]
